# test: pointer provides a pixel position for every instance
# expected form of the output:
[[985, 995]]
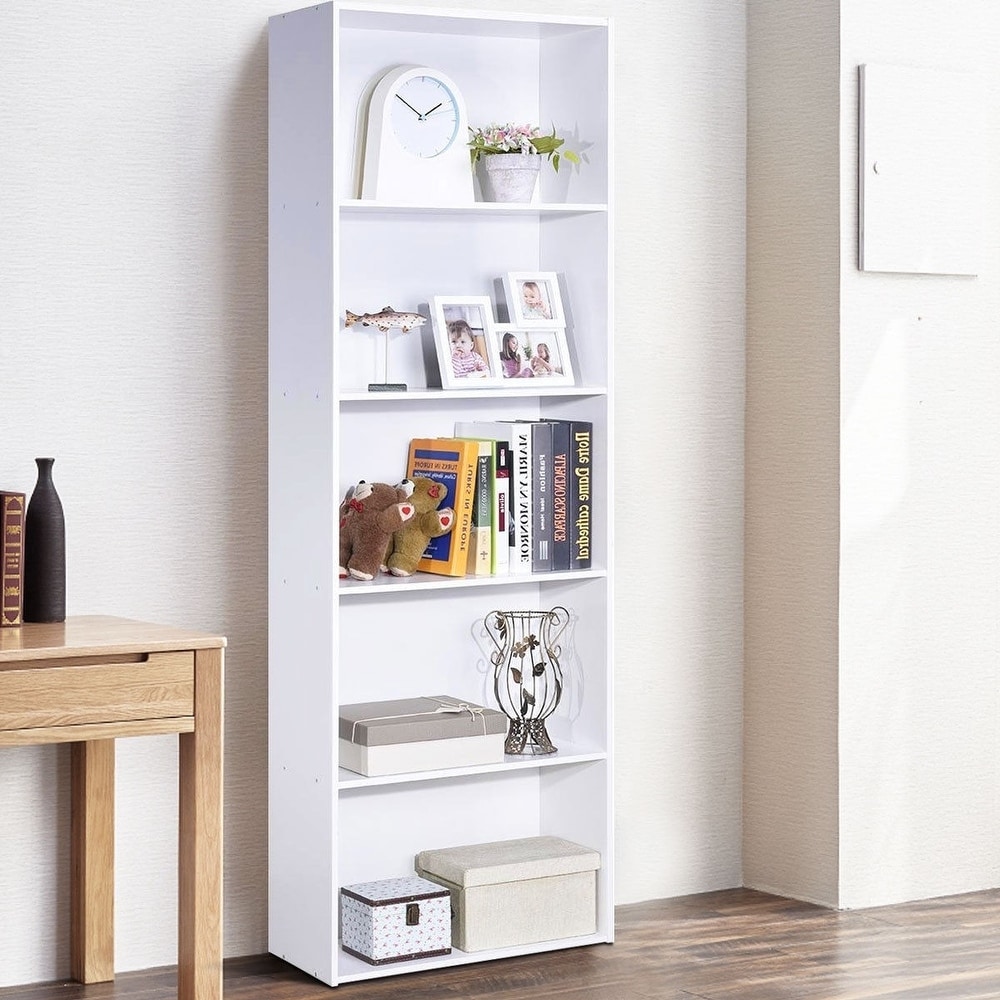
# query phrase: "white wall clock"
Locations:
[[415, 140]]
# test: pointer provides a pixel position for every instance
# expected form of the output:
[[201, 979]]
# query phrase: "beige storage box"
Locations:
[[516, 892]]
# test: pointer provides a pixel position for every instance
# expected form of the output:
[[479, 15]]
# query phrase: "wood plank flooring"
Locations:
[[713, 946]]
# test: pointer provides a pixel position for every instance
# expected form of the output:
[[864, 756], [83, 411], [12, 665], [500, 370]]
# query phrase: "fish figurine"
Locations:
[[387, 319]]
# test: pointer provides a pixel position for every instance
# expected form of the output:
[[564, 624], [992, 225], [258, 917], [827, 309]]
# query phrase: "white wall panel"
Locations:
[[920, 543]]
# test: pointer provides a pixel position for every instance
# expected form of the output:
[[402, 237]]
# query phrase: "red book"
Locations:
[[11, 556]]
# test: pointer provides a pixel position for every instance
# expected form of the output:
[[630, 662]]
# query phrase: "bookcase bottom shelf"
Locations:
[[351, 969]]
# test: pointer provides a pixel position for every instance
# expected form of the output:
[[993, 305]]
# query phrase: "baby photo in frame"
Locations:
[[533, 298], [463, 328], [541, 354]]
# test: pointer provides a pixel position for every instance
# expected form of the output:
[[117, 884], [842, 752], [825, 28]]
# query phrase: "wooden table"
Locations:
[[86, 682]]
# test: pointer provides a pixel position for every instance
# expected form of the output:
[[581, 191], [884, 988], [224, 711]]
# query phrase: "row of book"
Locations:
[[521, 492], [12, 507]]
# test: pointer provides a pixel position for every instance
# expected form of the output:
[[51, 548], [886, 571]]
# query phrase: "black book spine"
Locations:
[[561, 558], [581, 512]]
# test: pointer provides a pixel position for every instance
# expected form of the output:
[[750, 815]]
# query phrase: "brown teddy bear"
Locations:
[[369, 516], [409, 541]]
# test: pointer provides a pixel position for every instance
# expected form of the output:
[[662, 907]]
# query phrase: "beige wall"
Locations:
[[792, 470], [132, 347]]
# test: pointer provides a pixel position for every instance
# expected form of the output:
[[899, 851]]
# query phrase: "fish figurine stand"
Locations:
[[385, 320]]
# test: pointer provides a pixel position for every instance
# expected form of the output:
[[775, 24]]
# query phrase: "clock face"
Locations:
[[424, 116]]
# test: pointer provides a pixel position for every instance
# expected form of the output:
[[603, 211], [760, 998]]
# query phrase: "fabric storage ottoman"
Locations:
[[395, 920], [419, 734], [516, 892]]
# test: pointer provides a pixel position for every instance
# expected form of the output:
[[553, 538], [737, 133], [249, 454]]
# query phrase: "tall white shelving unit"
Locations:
[[334, 642]]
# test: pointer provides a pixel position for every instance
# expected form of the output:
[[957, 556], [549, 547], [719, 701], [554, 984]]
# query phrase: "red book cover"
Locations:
[[11, 556]]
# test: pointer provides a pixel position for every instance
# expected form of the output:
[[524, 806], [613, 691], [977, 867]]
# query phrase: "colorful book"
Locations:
[[454, 463], [560, 495], [11, 556], [580, 515], [505, 535], [481, 545]]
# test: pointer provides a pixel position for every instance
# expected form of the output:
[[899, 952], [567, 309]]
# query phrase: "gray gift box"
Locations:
[[417, 734]]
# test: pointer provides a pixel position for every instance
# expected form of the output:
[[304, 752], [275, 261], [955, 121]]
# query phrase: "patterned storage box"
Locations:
[[395, 919], [515, 892]]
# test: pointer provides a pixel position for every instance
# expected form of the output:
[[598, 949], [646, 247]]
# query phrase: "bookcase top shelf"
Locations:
[[437, 21]]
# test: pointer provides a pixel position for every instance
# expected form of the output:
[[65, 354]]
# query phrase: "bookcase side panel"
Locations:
[[301, 496]]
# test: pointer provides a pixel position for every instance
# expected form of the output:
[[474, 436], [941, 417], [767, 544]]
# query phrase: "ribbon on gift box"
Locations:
[[444, 708]]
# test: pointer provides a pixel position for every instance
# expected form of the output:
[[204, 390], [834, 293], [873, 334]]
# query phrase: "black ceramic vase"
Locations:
[[44, 551]]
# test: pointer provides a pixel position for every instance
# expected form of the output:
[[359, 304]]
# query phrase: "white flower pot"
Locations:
[[509, 176]]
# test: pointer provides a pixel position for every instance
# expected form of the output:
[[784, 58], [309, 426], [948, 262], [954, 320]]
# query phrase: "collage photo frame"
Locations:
[[474, 351]]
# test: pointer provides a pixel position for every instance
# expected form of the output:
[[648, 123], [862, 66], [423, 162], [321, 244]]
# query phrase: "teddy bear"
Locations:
[[409, 541], [369, 514]]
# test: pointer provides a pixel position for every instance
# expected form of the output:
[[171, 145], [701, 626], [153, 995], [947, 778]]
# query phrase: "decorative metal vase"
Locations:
[[527, 678], [509, 176], [44, 551]]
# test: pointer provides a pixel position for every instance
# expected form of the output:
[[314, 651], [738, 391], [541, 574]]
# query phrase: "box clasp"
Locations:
[[412, 914]]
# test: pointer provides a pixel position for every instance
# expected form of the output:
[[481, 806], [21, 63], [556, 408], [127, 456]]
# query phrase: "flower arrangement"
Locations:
[[526, 140]]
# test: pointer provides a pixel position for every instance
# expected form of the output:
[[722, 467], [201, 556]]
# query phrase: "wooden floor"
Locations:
[[714, 946]]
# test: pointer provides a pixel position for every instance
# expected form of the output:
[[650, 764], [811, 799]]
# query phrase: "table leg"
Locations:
[[92, 861], [199, 971]]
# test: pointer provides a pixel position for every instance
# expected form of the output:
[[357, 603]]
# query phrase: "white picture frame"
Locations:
[[533, 299], [538, 353], [461, 320]]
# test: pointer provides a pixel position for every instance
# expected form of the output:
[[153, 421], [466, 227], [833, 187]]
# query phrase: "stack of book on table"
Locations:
[[12, 509]]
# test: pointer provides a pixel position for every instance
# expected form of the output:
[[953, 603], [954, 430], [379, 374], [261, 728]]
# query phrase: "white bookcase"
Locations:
[[333, 642]]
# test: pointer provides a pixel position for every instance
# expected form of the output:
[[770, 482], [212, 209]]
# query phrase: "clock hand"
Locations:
[[411, 107], [447, 111], [427, 114]]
